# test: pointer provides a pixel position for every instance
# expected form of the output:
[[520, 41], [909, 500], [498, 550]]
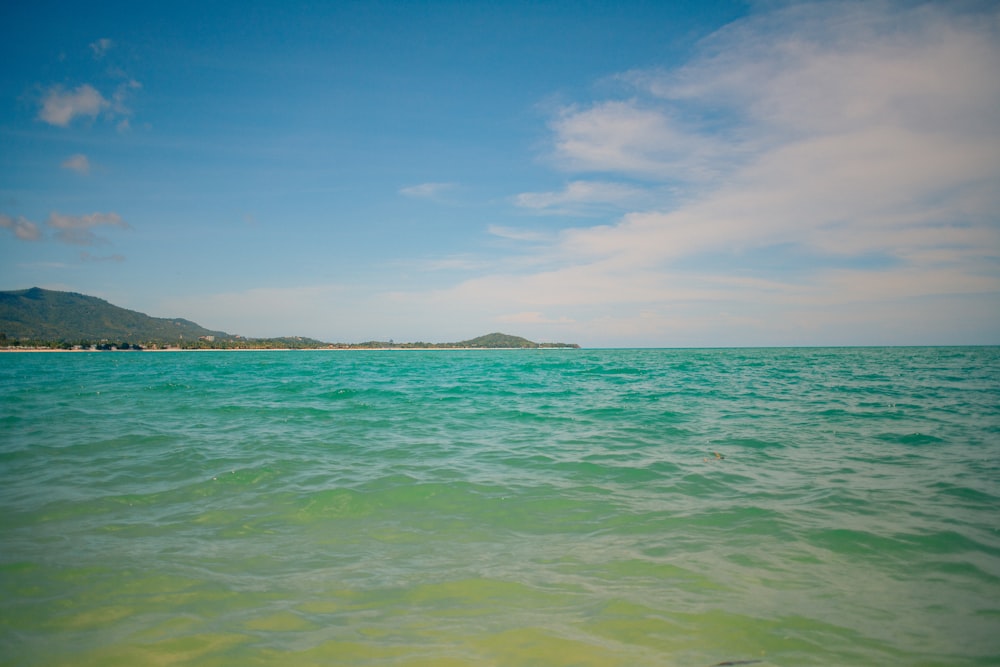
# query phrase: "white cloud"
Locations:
[[60, 107], [76, 229], [60, 221], [821, 174], [120, 97], [631, 138], [517, 234], [859, 139], [101, 47], [21, 227], [836, 66], [427, 190], [78, 163], [72, 229]]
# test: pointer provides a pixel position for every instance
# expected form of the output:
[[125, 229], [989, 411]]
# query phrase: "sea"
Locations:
[[607, 507]]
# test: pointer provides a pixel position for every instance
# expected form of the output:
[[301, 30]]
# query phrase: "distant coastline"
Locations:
[[442, 348], [38, 319]]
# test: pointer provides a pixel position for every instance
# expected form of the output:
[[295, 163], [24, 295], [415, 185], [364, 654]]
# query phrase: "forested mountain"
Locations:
[[48, 315]]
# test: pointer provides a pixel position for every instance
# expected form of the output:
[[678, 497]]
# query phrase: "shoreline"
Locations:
[[290, 349]]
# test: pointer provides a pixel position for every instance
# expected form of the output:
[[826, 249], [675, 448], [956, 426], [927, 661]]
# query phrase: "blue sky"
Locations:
[[608, 173]]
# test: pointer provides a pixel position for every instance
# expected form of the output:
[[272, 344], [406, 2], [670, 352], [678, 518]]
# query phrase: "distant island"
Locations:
[[47, 319]]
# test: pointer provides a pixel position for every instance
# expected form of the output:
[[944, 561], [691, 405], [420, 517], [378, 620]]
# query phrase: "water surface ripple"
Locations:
[[535, 507]]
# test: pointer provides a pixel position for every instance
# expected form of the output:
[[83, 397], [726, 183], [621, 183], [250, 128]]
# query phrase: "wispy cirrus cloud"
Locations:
[[427, 190], [583, 198], [100, 47], [77, 229], [818, 173], [863, 134], [519, 234], [831, 170], [633, 138], [120, 102]]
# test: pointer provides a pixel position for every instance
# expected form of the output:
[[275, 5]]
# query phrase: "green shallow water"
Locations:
[[537, 507]]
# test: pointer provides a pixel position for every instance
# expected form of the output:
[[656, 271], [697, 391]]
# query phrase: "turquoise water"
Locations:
[[536, 507]]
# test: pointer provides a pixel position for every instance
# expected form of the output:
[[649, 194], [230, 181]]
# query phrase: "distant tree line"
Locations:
[[37, 344], [235, 343], [491, 341]]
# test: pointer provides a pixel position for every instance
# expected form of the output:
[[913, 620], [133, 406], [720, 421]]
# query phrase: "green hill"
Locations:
[[47, 315], [500, 340]]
